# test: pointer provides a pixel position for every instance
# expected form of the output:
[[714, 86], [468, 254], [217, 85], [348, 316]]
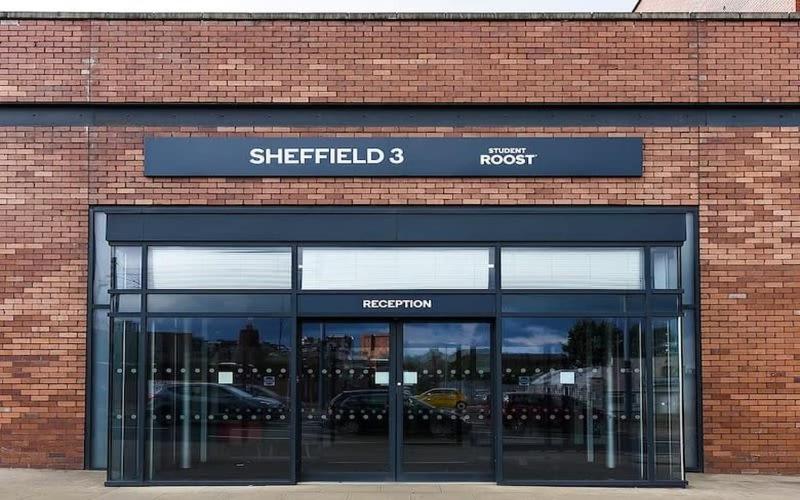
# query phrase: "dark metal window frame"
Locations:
[[496, 327]]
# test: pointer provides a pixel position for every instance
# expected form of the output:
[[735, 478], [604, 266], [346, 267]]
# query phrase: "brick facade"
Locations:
[[745, 181]]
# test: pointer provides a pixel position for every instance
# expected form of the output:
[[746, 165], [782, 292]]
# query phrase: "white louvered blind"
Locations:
[[395, 268], [219, 268], [573, 268]]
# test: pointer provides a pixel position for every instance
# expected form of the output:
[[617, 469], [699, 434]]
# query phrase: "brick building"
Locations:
[[717, 6], [624, 297]]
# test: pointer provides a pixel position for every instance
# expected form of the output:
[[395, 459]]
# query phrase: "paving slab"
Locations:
[[30, 484]]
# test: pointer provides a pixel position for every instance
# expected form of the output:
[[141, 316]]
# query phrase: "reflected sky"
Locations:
[[426, 335], [271, 330]]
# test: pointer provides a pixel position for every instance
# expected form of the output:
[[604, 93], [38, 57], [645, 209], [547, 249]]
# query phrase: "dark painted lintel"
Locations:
[[401, 115]]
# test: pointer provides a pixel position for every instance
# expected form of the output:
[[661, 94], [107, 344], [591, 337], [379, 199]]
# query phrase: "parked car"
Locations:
[[444, 397], [367, 410]]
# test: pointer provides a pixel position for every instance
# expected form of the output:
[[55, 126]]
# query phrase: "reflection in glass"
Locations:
[[124, 395], [396, 268], [219, 268], [218, 399], [127, 268], [689, 260], [99, 404], [667, 389], [343, 393], [665, 268], [690, 382], [573, 268], [446, 399], [101, 270], [572, 399]]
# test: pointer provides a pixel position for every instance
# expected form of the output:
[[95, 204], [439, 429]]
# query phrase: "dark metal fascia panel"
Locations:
[[466, 226], [401, 115]]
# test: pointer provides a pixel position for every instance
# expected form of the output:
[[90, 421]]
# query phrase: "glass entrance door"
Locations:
[[395, 401], [345, 401], [446, 431]]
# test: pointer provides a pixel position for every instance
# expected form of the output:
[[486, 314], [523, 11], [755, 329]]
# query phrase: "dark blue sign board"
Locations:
[[393, 157], [396, 305]]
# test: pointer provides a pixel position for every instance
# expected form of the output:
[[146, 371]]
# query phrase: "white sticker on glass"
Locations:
[[567, 377], [381, 378], [225, 377]]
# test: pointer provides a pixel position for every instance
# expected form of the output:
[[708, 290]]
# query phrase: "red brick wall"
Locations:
[[43, 240], [745, 180], [750, 263], [399, 61]]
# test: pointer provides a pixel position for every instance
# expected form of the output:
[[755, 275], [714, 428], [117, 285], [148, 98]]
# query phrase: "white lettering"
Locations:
[[507, 156], [269, 156], [397, 303], [256, 156], [374, 155], [397, 156]]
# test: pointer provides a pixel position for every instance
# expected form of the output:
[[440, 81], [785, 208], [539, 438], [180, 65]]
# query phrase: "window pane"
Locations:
[[667, 391], [563, 303], [665, 268], [124, 393], [127, 267], [396, 268], [219, 399], [219, 303], [102, 261], [688, 260], [572, 399], [690, 424], [565, 268], [98, 434], [664, 304], [219, 268], [127, 303]]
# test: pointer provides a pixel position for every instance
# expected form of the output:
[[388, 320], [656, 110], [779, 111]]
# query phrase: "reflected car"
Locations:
[[521, 409], [443, 397], [367, 410], [215, 400]]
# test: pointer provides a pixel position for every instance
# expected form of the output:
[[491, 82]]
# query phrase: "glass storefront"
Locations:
[[516, 364]]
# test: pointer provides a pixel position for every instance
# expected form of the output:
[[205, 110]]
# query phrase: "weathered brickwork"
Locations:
[[399, 61], [43, 240], [745, 181], [670, 175], [750, 263]]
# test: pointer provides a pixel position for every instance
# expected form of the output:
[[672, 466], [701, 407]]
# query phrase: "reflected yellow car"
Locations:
[[444, 398]]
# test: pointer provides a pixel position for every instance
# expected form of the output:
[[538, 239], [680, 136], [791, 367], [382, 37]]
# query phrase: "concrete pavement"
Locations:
[[24, 484]]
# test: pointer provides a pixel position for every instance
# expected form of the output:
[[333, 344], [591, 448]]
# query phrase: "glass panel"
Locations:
[[127, 267], [572, 399], [665, 268], [688, 260], [563, 303], [102, 261], [447, 399], [344, 379], [124, 396], [634, 304], [98, 434], [219, 268], [127, 303], [664, 304], [568, 268], [218, 399], [667, 390], [218, 303], [690, 414], [396, 268]]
